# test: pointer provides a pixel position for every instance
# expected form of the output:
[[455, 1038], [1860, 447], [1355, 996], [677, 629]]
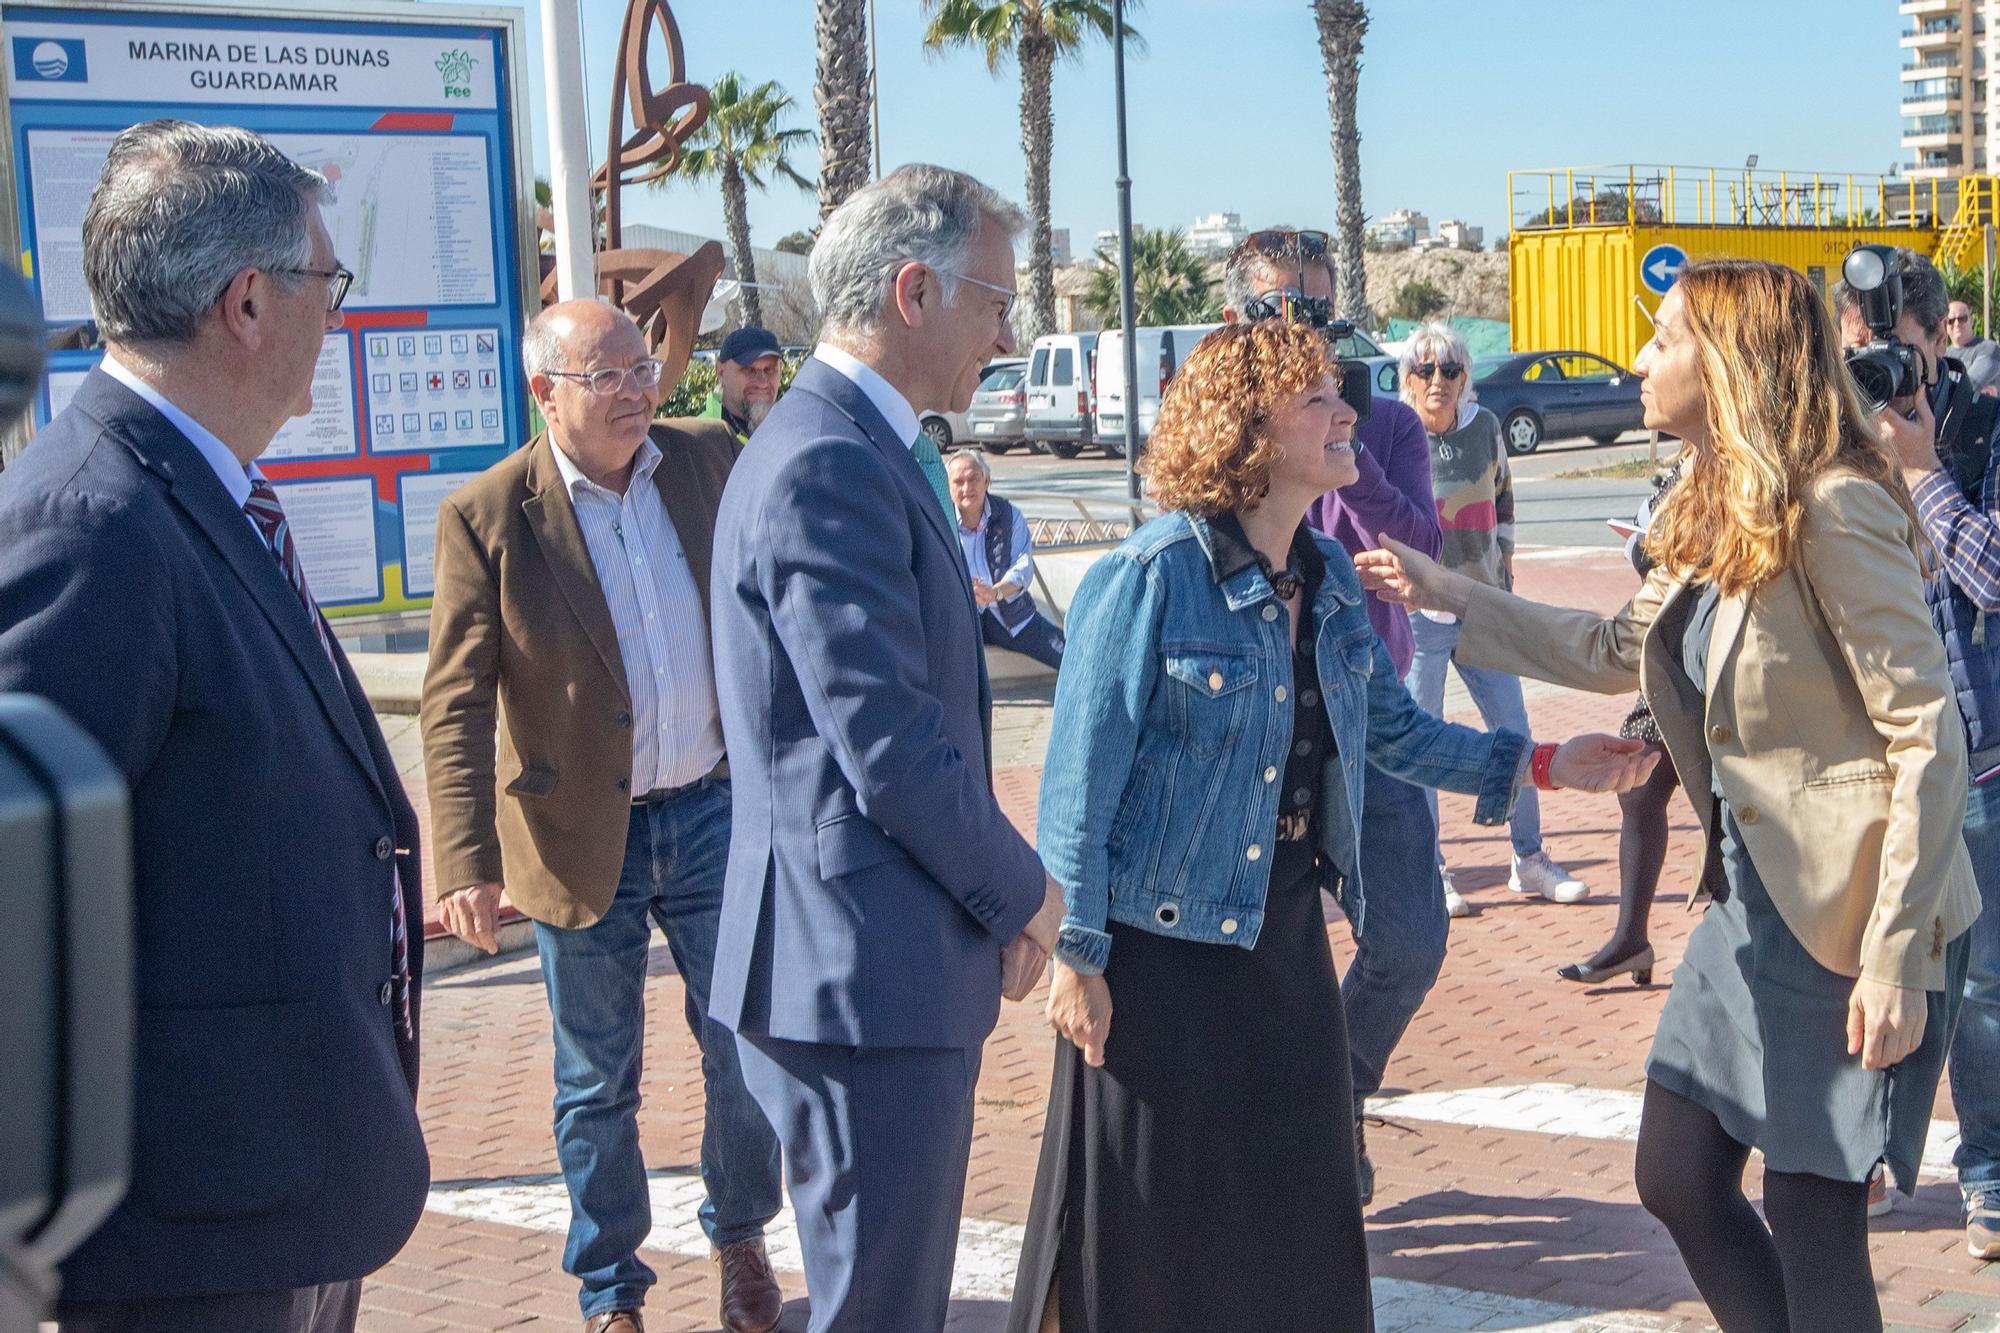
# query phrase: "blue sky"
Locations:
[[1228, 103]]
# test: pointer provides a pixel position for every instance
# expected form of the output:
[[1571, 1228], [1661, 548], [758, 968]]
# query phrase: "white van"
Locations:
[[1059, 409], [1161, 351]]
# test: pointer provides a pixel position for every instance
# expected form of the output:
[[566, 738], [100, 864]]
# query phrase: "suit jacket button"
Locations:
[[624, 719], [1748, 814], [384, 849], [1719, 734], [386, 993], [624, 784]]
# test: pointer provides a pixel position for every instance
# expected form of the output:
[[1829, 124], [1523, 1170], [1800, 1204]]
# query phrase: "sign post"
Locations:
[[415, 115]]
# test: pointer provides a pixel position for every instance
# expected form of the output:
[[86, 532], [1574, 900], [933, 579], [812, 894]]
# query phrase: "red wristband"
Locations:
[[1538, 766]]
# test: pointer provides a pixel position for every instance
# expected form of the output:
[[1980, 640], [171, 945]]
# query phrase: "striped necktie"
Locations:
[[269, 516], [925, 451]]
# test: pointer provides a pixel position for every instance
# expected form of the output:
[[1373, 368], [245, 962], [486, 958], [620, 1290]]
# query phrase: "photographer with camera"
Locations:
[[1937, 425]]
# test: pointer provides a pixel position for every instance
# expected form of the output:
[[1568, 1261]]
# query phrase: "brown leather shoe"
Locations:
[[751, 1302], [615, 1321]]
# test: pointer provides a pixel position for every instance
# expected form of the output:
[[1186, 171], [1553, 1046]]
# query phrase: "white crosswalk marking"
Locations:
[[989, 1252]]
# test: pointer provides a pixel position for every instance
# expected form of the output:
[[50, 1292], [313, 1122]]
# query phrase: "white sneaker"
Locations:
[[1454, 902], [1881, 1202], [1537, 873]]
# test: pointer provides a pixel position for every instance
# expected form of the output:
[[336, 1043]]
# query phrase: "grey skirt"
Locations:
[[1755, 1030]]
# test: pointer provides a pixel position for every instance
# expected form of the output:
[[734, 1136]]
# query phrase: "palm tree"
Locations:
[[1342, 24], [1170, 283], [1036, 33], [841, 93], [740, 144]]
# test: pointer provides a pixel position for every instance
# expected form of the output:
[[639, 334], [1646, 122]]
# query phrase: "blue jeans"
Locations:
[[1975, 1048], [1401, 944], [675, 852], [1498, 698]]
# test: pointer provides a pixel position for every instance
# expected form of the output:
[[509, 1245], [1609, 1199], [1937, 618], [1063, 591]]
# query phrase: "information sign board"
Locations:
[[413, 113]]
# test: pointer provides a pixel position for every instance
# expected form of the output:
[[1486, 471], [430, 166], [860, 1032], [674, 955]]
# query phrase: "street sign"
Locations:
[[1662, 264]]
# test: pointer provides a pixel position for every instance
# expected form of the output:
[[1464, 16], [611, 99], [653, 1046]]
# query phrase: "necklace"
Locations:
[[1287, 584]]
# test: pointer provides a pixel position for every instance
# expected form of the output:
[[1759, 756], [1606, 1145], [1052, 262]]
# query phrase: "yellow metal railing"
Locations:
[[1599, 196]]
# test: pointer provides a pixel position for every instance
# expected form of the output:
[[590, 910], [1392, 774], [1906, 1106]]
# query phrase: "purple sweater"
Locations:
[[1392, 495]]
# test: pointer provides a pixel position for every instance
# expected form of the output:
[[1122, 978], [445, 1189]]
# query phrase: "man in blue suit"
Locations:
[[151, 587], [875, 891]]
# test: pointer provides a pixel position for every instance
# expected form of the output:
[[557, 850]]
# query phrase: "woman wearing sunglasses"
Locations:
[[1803, 694], [1475, 500]]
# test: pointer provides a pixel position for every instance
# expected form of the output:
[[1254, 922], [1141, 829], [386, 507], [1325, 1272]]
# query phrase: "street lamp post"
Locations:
[[1126, 312]]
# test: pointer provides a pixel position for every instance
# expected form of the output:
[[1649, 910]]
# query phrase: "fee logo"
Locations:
[[455, 70], [50, 60]]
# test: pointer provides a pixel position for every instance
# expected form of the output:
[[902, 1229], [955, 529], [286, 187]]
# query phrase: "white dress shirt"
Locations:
[[888, 400], [231, 471], [656, 610]]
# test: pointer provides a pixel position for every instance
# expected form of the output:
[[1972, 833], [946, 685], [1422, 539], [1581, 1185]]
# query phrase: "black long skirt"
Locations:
[[1204, 1179]]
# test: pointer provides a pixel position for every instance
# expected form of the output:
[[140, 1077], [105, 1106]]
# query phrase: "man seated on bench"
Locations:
[[994, 536]]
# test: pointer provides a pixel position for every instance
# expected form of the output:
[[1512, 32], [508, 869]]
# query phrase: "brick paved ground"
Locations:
[[1514, 1213]]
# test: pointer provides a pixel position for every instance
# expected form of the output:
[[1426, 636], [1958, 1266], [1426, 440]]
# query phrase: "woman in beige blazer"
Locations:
[[1802, 694]]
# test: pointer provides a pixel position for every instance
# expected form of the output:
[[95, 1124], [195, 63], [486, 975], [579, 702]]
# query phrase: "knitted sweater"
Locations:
[[1475, 498]]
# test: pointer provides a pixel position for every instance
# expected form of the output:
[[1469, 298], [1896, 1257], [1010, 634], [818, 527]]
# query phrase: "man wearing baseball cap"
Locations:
[[747, 370]]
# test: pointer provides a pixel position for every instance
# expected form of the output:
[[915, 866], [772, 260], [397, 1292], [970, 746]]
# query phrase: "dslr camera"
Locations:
[[1887, 368]]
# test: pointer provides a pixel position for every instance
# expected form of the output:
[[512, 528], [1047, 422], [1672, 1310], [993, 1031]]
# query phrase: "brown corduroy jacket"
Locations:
[[523, 650]]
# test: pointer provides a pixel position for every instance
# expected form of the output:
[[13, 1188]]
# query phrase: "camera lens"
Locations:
[[1876, 377]]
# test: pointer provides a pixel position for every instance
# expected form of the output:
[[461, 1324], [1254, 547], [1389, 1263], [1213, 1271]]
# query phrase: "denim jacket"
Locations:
[[1172, 724]]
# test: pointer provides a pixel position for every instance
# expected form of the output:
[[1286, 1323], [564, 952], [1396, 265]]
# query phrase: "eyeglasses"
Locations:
[[609, 380], [1451, 370], [338, 280], [1286, 242], [1958, 319], [1008, 292]]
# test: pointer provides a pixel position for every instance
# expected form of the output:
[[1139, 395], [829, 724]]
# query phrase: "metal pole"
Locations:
[[1126, 305], [569, 149]]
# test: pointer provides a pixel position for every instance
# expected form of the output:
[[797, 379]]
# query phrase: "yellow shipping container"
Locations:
[[1574, 278]]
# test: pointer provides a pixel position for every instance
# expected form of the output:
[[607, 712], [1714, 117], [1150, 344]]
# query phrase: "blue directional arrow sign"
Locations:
[[1662, 264]]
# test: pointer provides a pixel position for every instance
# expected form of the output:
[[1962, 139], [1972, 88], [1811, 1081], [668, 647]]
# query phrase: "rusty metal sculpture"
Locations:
[[664, 291]]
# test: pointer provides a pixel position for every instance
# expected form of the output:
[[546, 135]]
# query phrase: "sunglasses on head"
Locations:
[[1285, 242], [1451, 370]]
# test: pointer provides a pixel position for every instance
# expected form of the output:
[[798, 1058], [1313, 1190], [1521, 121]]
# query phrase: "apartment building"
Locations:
[[1948, 46]]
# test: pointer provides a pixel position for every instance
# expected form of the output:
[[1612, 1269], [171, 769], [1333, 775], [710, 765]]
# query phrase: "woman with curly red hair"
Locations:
[[1222, 697]]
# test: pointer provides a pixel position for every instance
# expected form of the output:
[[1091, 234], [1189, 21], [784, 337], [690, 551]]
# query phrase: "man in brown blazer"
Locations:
[[570, 624]]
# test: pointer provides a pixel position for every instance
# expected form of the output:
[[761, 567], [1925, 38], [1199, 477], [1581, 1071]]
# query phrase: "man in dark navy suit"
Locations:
[[875, 892], [151, 588]]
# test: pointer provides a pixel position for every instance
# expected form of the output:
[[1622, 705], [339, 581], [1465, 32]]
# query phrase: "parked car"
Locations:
[[1060, 411], [950, 429], [998, 417], [1160, 353], [1558, 395]]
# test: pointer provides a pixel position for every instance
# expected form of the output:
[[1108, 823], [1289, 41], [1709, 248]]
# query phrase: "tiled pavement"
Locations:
[[1479, 1221]]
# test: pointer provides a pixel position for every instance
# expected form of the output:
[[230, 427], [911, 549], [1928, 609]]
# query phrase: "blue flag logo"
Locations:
[[49, 60]]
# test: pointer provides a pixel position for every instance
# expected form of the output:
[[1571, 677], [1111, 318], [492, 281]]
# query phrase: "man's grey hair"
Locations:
[[1924, 294], [1246, 261], [929, 215], [1438, 342], [179, 210], [970, 459]]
